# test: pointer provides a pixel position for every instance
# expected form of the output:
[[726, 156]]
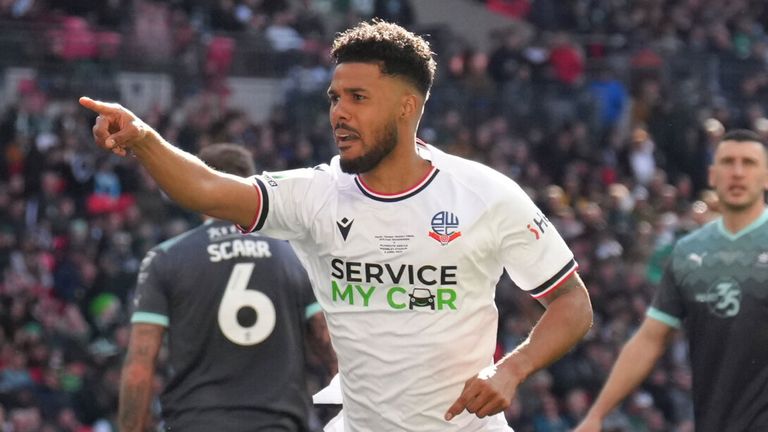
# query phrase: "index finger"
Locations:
[[467, 394], [98, 106], [458, 406]]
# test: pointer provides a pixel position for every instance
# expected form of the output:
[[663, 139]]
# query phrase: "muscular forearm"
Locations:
[[192, 184], [567, 319], [135, 395], [563, 325]]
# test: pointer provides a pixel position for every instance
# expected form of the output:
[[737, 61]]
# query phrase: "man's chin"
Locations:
[[358, 165], [737, 204], [350, 166]]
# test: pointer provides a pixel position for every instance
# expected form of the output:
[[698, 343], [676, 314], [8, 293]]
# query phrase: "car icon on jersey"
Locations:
[[421, 297]]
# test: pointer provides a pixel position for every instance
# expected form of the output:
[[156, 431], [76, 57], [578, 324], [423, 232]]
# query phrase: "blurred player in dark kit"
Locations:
[[236, 309]]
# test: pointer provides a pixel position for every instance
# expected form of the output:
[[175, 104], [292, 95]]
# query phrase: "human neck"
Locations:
[[736, 220], [398, 172]]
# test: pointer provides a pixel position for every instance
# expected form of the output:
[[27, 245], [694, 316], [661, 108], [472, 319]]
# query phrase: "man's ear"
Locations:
[[409, 105]]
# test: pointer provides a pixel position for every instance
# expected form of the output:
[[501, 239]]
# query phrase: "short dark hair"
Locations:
[[398, 51], [229, 158], [742, 135]]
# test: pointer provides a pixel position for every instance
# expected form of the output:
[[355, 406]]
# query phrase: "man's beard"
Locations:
[[382, 147]]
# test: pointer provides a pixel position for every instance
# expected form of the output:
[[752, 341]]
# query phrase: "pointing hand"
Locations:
[[116, 129]]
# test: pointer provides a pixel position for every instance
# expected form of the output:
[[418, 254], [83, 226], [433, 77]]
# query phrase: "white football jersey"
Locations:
[[407, 281]]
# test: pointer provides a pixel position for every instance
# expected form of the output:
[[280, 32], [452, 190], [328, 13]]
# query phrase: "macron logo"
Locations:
[[344, 227]]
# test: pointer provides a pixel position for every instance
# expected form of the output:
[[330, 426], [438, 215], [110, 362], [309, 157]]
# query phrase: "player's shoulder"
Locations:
[[208, 232], [177, 241], [163, 255], [320, 173], [320, 178], [475, 176], [697, 239]]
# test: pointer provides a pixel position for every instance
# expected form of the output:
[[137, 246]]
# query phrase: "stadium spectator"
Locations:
[[508, 62], [396, 11]]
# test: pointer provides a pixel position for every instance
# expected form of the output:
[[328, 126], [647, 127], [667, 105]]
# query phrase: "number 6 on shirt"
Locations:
[[237, 296]]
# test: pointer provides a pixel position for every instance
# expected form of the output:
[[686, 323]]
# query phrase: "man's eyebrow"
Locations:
[[355, 90], [348, 90]]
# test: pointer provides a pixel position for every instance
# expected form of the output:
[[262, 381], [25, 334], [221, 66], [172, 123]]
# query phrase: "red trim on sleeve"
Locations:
[[256, 217], [557, 285]]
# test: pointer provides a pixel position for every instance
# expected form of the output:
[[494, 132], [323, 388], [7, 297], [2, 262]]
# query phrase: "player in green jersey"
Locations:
[[716, 288]]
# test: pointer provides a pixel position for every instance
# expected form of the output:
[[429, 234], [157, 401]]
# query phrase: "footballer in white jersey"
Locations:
[[408, 281]]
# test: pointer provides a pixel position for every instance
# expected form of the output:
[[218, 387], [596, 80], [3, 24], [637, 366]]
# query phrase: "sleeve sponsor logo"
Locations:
[[273, 178], [539, 225], [269, 180]]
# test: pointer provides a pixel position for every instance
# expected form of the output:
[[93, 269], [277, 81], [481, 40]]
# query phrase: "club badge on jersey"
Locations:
[[445, 227]]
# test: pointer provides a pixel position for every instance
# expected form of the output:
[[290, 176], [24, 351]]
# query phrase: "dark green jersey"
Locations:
[[716, 286], [234, 306]]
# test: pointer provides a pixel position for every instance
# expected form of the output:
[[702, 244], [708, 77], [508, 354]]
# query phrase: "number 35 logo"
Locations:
[[238, 296], [725, 298]]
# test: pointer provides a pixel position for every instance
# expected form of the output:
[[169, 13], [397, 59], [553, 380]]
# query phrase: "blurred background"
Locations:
[[605, 111]]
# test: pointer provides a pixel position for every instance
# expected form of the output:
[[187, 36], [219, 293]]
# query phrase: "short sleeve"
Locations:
[[532, 251], [286, 203], [667, 305], [150, 302]]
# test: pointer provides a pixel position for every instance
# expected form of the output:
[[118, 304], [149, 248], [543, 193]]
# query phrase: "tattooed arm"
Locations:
[[138, 373]]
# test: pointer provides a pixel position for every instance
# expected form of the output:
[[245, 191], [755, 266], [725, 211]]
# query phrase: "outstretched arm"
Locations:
[[567, 319], [184, 177], [635, 362], [137, 375]]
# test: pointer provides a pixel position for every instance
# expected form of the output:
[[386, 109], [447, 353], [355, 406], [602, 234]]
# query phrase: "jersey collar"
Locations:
[[744, 231], [424, 152]]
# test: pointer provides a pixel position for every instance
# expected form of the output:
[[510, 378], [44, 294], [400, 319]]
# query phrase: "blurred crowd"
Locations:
[[606, 112]]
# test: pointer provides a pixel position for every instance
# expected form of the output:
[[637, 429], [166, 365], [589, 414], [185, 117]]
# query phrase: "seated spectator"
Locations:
[[74, 40], [282, 35]]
